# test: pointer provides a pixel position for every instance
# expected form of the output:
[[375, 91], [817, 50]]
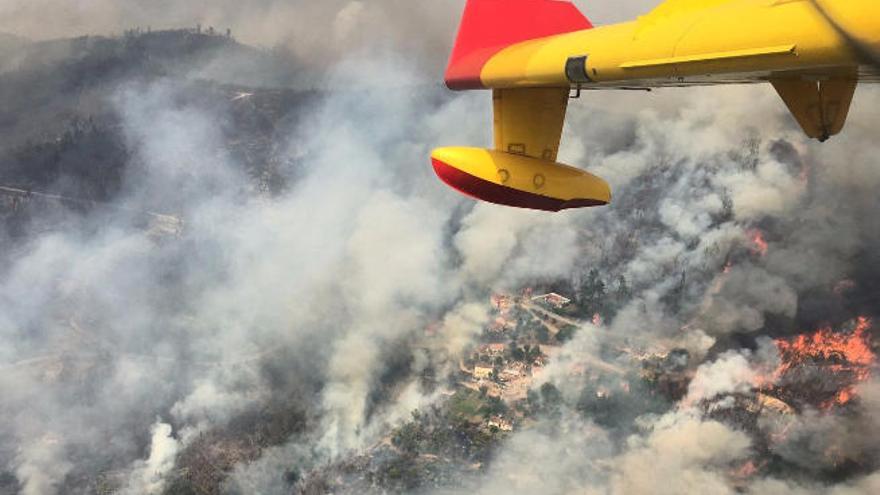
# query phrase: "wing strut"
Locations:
[[528, 121], [820, 107]]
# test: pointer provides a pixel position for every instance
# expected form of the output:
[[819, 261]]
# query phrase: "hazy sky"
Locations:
[[318, 33], [261, 21]]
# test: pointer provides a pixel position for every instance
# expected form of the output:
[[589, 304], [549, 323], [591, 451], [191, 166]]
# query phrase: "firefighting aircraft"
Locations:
[[536, 54]]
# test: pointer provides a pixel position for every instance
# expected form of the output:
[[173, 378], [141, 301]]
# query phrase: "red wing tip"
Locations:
[[489, 26], [464, 75]]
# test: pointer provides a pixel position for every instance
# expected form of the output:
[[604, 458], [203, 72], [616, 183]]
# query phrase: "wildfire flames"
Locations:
[[845, 356], [759, 244]]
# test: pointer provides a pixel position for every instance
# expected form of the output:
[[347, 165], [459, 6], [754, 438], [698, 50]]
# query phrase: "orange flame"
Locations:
[[747, 470], [844, 396], [852, 347], [849, 352], [759, 244]]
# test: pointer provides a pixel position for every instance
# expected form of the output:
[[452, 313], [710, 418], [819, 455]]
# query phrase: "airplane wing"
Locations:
[[531, 53]]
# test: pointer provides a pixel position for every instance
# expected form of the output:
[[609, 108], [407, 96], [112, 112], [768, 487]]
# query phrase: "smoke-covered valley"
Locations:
[[229, 269]]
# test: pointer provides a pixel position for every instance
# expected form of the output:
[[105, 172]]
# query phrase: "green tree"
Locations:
[[531, 353], [408, 438], [516, 352], [593, 293], [543, 334], [551, 398], [494, 407], [623, 291], [565, 333]]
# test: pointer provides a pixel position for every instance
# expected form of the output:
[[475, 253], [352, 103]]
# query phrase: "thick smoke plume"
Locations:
[[297, 316]]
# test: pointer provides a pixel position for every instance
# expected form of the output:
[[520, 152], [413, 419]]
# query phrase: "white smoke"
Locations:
[[41, 465], [687, 453], [150, 475], [730, 373], [312, 296]]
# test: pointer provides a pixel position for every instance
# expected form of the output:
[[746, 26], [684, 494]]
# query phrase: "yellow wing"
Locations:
[[532, 52]]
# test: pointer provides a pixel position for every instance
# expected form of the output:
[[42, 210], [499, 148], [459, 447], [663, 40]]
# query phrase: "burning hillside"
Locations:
[[822, 369], [214, 288]]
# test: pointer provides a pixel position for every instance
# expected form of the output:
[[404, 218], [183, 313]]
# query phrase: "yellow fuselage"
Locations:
[[686, 42]]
